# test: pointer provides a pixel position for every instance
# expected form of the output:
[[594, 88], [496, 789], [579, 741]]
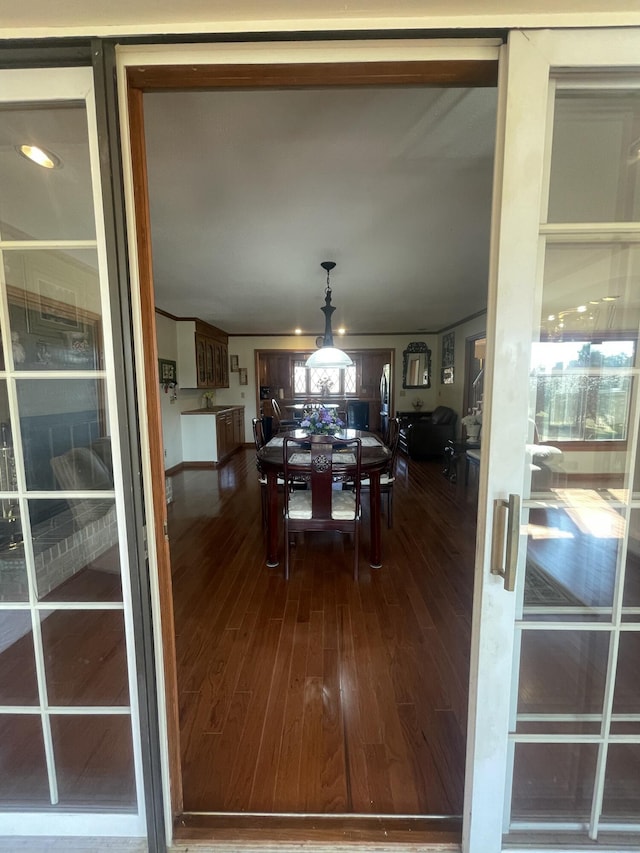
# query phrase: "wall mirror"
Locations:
[[416, 366]]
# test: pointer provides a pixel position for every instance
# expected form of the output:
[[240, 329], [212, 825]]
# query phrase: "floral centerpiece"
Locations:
[[321, 421]]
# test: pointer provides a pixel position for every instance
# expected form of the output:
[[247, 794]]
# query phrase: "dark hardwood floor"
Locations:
[[322, 694]]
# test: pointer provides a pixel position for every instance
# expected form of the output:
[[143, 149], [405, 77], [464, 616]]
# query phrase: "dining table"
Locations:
[[375, 458]]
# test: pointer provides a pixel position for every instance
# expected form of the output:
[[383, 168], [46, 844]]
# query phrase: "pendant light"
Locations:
[[328, 355]]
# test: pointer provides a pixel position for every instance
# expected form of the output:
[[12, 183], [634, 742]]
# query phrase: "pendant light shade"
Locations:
[[328, 355]]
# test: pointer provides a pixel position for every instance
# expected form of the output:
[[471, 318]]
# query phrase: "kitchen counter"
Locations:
[[214, 410]]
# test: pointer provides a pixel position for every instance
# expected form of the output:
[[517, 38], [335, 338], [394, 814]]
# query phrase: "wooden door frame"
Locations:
[[141, 78]]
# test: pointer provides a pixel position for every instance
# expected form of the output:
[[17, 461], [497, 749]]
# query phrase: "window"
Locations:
[[323, 382], [582, 389]]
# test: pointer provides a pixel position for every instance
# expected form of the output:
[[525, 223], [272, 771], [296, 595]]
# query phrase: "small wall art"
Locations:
[[242, 376], [234, 363], [447, 376], [166, 371]]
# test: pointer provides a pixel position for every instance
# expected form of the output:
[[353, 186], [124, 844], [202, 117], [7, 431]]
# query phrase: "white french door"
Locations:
[[70, 754], [554, 753]]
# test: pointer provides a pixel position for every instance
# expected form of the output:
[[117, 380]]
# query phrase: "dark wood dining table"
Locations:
[[375, 458]]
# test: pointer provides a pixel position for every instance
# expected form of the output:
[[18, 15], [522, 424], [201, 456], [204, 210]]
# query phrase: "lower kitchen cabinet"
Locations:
[[211, 435]]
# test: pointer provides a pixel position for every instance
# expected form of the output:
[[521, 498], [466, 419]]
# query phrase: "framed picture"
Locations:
[[234, 363], [447, 376], [448, 349], [242, 376], [166, 370], [55, 309]]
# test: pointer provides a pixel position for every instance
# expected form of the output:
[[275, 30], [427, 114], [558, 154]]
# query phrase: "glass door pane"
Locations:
[[66, 668], [575, 725]]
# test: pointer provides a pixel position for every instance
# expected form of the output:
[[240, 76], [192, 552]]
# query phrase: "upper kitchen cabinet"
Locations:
[[203, 355]]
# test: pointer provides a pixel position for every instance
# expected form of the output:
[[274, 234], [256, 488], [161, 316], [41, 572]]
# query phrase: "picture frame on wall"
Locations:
[[448, 349], [447, 376], [234, 363], [242, 376], [166, 370]]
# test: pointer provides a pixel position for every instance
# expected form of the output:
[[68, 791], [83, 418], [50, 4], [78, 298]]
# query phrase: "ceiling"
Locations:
[[251, 190]]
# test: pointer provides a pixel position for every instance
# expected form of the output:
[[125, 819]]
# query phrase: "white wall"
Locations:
[[186, 398]]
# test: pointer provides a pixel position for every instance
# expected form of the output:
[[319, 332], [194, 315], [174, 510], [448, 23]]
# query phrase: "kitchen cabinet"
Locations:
[[211, 435], [203, 355]]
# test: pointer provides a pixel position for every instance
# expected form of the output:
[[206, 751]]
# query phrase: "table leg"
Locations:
[[272, 519], [376, 527]]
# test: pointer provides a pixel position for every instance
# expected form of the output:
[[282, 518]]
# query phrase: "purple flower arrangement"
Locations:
[[321, 421]]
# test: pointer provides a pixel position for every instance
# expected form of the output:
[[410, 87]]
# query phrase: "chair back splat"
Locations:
[[282, 424], [322, 460], [258, 433]]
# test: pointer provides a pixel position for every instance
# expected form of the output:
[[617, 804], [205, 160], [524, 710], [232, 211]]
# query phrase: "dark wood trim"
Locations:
[[186, 465], [167, 314], [154, 427], [188, 77], [174, 470], [194, 77]]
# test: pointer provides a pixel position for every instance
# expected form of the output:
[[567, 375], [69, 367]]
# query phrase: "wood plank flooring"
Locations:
[[322, 695]]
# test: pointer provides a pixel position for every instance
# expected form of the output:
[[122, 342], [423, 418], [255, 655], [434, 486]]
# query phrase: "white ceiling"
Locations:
[[250, 191]]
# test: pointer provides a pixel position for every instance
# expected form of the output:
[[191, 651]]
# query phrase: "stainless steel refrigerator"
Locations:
[[385, 397]]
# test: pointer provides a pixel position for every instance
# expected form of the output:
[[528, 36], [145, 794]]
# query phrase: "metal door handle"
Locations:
[[509, 512]]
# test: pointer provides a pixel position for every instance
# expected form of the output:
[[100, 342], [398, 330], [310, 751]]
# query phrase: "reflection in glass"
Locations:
[[621, 799], [46, 204], [594, 167], [573, 551], [75, 548], [24, 780], [94, 761], [85, 658], [562, 672], [54, 309], [13, 568], [553, 780], [18, 685], [626, 698], [631, 596], [62, 422]]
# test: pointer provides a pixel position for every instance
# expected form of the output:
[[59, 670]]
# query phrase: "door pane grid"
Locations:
[[578, 597], [56, 421]]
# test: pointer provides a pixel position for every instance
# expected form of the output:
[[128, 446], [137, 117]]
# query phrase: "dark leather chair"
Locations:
[[427, 437], [321, 506]]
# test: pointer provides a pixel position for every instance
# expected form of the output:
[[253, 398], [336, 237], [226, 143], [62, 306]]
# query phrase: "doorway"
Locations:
[[465, 74]]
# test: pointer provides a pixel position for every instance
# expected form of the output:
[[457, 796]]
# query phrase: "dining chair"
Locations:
[[282, 424], [325, 464], [388, 476], [260, 441]]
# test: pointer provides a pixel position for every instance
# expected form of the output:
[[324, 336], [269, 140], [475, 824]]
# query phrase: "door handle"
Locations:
[[504, 560]]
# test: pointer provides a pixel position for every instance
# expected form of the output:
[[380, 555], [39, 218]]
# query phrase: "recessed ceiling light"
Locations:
[[298, 331], [610, 298], [594, 302], [341, 331], [581, 309], [551, 317], [44, 158]]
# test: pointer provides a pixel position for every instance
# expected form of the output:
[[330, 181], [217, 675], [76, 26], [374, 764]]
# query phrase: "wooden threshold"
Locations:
[[319, 829]]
